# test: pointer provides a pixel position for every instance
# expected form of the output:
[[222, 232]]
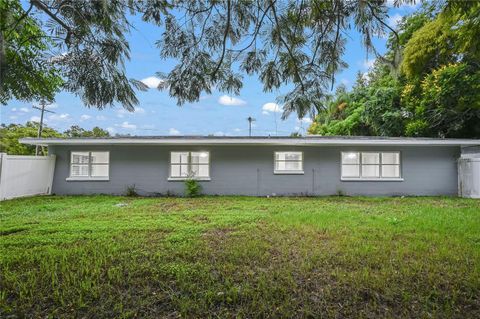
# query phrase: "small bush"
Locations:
[[192, 188], [131, 191]]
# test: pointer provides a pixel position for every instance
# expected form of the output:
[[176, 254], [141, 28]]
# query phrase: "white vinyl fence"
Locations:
[[25, 175], [469, 177]]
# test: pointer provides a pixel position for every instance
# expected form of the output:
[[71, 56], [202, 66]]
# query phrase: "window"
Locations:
[[288, 163], [189, 164], [89, 165], [370, 165]]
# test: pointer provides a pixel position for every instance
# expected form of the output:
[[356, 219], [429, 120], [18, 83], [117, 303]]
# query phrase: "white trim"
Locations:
[[305, 141], [288, 172], [189, 164], [90, 164], [180, 179], [87, 179], [365, 179]]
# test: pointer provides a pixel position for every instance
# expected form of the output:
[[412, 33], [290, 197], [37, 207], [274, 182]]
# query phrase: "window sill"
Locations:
[[288, 172], [181, 179], [87, 179], [372, 179]]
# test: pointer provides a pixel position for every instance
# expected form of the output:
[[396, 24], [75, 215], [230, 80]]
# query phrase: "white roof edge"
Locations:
[[310, 141]]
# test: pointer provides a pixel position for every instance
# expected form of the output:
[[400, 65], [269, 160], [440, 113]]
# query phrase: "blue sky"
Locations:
[[158, 114]]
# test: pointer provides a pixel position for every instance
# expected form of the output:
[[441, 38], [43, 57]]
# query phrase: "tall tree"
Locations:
[[10, 134], [432, 90], [83, 43]]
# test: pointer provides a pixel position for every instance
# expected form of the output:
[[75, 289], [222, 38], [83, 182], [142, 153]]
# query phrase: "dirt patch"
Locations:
[[12, 231], [218, 234]]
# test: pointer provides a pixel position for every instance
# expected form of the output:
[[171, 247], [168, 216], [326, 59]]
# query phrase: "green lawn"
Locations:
[[239, 256]]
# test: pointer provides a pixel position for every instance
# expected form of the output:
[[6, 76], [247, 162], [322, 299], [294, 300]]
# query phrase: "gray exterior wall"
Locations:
[[248, 170]]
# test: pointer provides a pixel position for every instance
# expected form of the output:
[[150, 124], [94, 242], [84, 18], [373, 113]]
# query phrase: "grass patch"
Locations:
[[102, 256]]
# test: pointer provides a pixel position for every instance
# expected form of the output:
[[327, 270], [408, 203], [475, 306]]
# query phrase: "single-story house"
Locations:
[[257, 166]]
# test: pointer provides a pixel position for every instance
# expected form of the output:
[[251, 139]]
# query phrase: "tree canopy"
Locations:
[[81, 46], [10, 134], [433, 90]]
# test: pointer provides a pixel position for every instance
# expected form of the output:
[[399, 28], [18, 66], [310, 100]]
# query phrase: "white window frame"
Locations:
[[380, 167], [287, 172], [189, 165], [89, 177]]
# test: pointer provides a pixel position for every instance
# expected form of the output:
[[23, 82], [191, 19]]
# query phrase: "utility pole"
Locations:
[[43, 104], [250, 120]]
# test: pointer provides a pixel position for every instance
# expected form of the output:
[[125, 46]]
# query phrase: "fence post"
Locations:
[[2, 174]]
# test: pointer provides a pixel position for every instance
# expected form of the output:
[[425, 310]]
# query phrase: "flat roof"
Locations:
[[309, 140]]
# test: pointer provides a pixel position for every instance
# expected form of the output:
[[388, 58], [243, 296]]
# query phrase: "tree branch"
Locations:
[[225, 35]]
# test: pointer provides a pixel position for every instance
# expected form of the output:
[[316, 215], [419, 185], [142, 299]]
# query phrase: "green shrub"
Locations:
[[192, 188], [131, 191]]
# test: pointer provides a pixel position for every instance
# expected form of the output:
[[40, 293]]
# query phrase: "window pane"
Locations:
[[100, 157], [99, 170], [390, 158], [179, 157], [390, 170], [80, 157], [350, 170], [201, 170], [179, 170], [350, 158], [293, 166], [79, 170], [288, 166], [370, 158], [370, 170], [200, 157], [288, 156]]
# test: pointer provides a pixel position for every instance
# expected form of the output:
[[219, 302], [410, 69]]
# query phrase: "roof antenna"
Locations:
[[250, 120]]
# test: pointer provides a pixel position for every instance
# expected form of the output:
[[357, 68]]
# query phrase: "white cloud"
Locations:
[[230, 101], [219, 133], [139, 110], [100, 118], [394, 20], [111, 130], [271, 107], [305, 120], [35, 119], [122, 112], [14, 109], [24, 109], [367, 64], [13, 117], [59, 117], [152, 82], [237, 130], [85, 117], [345, 81], [173, 131], [127, 126], [265, 113], [391, 3]]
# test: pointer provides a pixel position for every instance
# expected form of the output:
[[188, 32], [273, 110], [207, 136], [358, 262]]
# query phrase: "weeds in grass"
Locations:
[[82, 256]]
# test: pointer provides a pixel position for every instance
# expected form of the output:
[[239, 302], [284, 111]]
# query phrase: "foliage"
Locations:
[[77, 131], [214, 43], [228, 257], [23, 73], [192, 188], [433, 90], [9, 135], [131, 191]]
